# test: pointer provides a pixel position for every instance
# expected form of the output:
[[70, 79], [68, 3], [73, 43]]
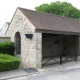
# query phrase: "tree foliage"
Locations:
[[60, 8]]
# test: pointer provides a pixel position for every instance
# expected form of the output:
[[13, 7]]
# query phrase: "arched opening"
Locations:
[[17, 43]]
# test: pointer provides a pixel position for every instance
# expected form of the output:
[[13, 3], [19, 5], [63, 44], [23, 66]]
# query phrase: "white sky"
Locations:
[[8, 7]]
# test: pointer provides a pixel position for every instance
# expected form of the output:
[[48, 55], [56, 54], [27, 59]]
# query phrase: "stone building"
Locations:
[[4, 29], [38, 35]]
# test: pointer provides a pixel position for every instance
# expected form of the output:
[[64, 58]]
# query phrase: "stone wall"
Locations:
[[78, 46], [51, 48], [5, 39], [70, 43], [49, 45], [30, 48]]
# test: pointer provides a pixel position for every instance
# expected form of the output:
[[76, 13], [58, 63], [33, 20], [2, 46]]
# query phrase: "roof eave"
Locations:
[[56, 32]]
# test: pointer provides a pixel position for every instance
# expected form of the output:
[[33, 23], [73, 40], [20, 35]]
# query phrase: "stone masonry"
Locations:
[[5, 39], [66, 43], [30, 48]]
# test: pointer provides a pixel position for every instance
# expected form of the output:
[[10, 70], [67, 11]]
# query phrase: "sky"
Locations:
[[8, 7]]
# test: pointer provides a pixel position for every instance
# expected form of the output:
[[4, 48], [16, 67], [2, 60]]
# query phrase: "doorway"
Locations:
[[17, 43]]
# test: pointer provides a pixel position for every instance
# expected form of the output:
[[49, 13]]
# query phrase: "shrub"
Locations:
[[8, 62], [7, 47]]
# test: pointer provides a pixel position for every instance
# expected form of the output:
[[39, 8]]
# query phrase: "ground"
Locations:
[[66, 71]]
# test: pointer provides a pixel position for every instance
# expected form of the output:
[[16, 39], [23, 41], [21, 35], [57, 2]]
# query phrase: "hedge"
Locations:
[[8, 62], [7, 47]]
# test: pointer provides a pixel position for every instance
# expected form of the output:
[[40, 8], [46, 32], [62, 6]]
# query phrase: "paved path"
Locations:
[[62, 75], [17, 73], [68, 71]]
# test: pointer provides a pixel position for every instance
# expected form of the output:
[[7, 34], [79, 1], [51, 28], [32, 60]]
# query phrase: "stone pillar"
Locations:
[[78, 47], [38, 50]]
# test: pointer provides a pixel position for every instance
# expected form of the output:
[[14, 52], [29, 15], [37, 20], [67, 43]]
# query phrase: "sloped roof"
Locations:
[[8, 23], [46, 21], [4, 29]]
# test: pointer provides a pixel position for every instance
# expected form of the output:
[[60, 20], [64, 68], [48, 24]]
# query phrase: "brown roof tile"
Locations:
[[46, 21]]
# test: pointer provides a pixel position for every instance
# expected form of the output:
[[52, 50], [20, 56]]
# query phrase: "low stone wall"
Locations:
[[5, 39]]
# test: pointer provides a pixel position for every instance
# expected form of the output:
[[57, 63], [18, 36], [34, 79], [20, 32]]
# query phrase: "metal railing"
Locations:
[[61, 55]]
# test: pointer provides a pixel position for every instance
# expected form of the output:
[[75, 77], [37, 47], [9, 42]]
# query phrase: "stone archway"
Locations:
[[17, 43]]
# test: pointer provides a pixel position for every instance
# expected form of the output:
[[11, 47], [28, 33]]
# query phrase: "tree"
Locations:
[[60, 8]]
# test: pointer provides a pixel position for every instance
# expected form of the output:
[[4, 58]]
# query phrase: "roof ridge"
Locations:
[[48, 13], [51, 22]]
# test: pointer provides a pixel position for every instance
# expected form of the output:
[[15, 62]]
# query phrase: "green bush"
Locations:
[[8, 62], [7, 47]]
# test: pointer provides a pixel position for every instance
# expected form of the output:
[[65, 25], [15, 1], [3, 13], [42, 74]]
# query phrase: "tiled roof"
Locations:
[[46, 21]]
